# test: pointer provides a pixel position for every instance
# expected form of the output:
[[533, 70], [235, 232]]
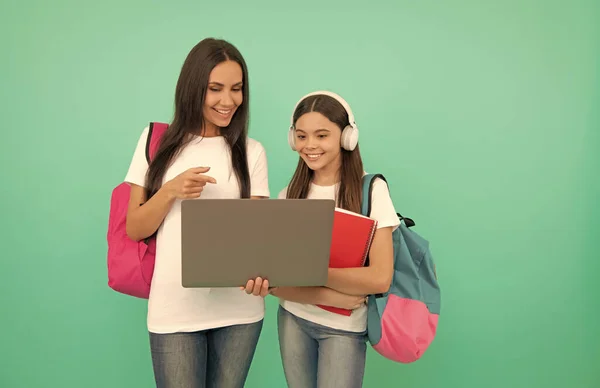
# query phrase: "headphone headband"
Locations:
[[330, 94], [349, 138]]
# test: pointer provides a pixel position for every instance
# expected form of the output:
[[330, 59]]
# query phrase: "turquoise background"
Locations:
[[483, 115]]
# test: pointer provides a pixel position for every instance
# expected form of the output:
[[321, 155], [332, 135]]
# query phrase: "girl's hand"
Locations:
[[189, 184]]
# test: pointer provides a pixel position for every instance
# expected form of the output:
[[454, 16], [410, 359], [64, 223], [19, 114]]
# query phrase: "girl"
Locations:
[[320, 348], [199, 337]]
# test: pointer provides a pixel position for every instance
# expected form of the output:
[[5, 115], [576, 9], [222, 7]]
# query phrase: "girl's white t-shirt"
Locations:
[[382, 210], [171, 307]]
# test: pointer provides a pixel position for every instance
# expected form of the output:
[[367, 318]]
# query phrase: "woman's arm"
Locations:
[[144, 218], [375, 278]]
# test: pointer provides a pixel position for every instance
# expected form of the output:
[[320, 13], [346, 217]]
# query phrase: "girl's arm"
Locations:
[[318, 295], [306, 295], [375, 278]]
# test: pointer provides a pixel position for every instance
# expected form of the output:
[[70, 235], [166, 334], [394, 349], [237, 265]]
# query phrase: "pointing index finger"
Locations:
[[203, 178]]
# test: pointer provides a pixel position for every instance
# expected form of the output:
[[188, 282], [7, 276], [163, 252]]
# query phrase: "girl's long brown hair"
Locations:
[[349, 195], [189, 102]]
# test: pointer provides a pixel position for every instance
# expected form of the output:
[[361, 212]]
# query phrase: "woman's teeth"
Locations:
[[313, 156], [223, 112]]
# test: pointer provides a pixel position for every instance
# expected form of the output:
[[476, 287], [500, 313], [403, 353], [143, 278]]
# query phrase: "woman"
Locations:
[[320, 348], [199, 337]]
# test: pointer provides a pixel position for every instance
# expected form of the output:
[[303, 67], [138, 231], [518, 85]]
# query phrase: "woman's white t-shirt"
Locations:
[[172, 308], [382, 210]]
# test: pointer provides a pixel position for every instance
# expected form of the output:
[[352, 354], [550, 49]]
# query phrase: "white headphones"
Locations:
[[349, 138]]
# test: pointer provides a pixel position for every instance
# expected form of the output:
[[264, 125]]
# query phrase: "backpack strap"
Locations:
[[155, 133], [368, 181], [367, 193]]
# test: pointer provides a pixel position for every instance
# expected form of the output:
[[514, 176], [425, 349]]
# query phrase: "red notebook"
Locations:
[[350, 243]]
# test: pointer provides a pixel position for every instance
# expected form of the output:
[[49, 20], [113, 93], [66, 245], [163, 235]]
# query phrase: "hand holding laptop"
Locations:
[[257, 287]]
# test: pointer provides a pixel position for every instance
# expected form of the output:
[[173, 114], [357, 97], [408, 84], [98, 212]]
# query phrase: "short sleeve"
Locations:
[[139, 165], [382, 207], [282, 194], [259, 174]]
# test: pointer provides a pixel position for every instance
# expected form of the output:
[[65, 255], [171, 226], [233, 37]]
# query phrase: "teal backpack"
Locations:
[[402, 323]]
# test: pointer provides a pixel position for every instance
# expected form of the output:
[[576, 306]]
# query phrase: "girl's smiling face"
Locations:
[[318, 142]]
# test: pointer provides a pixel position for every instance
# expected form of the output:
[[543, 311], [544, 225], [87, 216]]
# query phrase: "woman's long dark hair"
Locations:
[[349, 195], [188, 118]]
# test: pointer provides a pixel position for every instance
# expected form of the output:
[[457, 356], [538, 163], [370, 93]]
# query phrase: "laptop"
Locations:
[[226, 242]]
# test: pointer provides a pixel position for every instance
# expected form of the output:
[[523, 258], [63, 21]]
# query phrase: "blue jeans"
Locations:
[[316, 356], [212, 358]]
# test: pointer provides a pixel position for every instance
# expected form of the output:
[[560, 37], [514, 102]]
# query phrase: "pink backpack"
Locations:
[[131, 263]]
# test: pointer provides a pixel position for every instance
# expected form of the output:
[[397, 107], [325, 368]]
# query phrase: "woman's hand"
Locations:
[[188, 184], [257, 287]]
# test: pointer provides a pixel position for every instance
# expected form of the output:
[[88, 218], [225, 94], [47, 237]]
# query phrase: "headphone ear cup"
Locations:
[[292, 139], [349, 138]]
